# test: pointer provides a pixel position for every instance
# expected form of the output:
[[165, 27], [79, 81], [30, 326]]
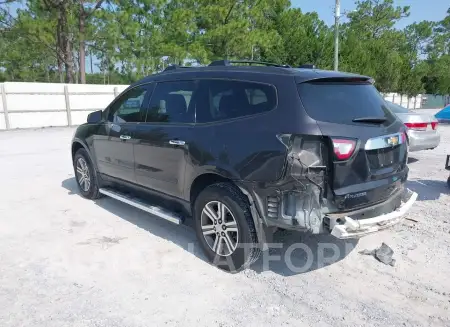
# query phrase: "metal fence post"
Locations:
[[5, 106], [66, 96], [116, 92]]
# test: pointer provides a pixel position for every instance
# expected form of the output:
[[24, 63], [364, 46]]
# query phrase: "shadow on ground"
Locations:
[[428, 190], [291, 253], [412, 160], [295, 253]]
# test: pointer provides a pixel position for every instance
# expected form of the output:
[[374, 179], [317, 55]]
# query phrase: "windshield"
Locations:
[[342, 102]]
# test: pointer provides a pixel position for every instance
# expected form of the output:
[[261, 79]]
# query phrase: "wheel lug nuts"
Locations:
[[220, 221], [223, 234]]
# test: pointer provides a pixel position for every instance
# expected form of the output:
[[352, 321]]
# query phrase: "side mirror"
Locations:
[[94, 117]]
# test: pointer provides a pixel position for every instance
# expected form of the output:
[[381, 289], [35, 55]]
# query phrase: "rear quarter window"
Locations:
[[341, 102]]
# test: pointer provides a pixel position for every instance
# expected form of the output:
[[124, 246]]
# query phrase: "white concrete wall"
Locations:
[[2, 121], [410, 103], [31, 105]]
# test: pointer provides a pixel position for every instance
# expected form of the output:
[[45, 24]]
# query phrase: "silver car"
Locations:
[[422, 128]]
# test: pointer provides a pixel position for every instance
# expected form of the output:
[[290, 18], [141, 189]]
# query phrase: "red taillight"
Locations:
[[434, 125], [417, 126], [343, 148]]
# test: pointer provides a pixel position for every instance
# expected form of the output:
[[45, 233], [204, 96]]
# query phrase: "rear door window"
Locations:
[[171, 103], [339, 102], [228, 99]]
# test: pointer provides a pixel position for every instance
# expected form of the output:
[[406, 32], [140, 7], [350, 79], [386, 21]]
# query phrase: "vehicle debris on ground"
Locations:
[[383, 254]]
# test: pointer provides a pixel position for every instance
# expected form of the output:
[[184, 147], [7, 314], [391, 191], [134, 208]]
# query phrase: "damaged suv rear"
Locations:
[[244, 149], [346, 175]]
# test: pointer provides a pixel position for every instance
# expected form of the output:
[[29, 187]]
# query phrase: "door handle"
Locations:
[[177, 142], [125, 137]]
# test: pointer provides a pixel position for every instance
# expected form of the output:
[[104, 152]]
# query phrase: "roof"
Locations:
[[300, 74]]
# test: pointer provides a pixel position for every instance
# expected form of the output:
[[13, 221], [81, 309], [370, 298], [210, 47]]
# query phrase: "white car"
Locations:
[[422, 128]]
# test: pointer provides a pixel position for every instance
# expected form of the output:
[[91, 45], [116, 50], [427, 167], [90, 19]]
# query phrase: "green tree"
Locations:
[[86, 9], [303, 39], [45, 39], [413, 48], [128, 35], [437, 79], [236, 29], [371, 45], [28, 44]]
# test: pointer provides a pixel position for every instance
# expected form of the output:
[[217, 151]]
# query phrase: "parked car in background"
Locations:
[[443, 116], [421, 128]]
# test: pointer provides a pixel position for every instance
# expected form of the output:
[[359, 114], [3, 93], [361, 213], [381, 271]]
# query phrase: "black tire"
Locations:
[[92, 192], [247, 250]]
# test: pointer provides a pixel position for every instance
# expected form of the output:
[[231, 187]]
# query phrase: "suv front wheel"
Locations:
[[85, 175], [225, 228]]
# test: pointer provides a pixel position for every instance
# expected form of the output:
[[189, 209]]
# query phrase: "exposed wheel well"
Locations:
[[75, 147], [203, 181]]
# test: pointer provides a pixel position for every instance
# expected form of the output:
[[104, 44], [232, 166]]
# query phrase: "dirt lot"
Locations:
[[67, 261]]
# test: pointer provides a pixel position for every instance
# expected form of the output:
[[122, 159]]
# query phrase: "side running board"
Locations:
[[141, 204]]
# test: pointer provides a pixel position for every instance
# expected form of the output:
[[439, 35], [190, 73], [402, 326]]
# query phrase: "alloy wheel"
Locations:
[[83, 175], [219, 228]]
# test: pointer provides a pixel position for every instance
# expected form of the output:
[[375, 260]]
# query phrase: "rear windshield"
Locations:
[[339, 102]]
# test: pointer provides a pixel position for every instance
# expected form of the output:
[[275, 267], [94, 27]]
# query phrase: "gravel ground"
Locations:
[[67, 261]]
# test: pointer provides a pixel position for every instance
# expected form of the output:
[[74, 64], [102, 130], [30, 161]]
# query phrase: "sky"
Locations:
[[434, 10]]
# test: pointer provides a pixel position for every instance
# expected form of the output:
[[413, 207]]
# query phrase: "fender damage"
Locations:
[[303, 199]]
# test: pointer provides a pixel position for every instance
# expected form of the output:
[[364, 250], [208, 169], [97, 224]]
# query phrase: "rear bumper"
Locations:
[[354, 228], [423, 140]]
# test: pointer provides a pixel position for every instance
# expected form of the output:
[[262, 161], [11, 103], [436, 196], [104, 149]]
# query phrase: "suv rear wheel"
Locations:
[[85, 175], [225, 228]]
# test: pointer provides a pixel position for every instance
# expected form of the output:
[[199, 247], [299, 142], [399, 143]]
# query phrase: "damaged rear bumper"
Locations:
[[354, 228]]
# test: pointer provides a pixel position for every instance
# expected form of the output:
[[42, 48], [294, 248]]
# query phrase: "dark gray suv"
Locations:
[[241, 148]]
